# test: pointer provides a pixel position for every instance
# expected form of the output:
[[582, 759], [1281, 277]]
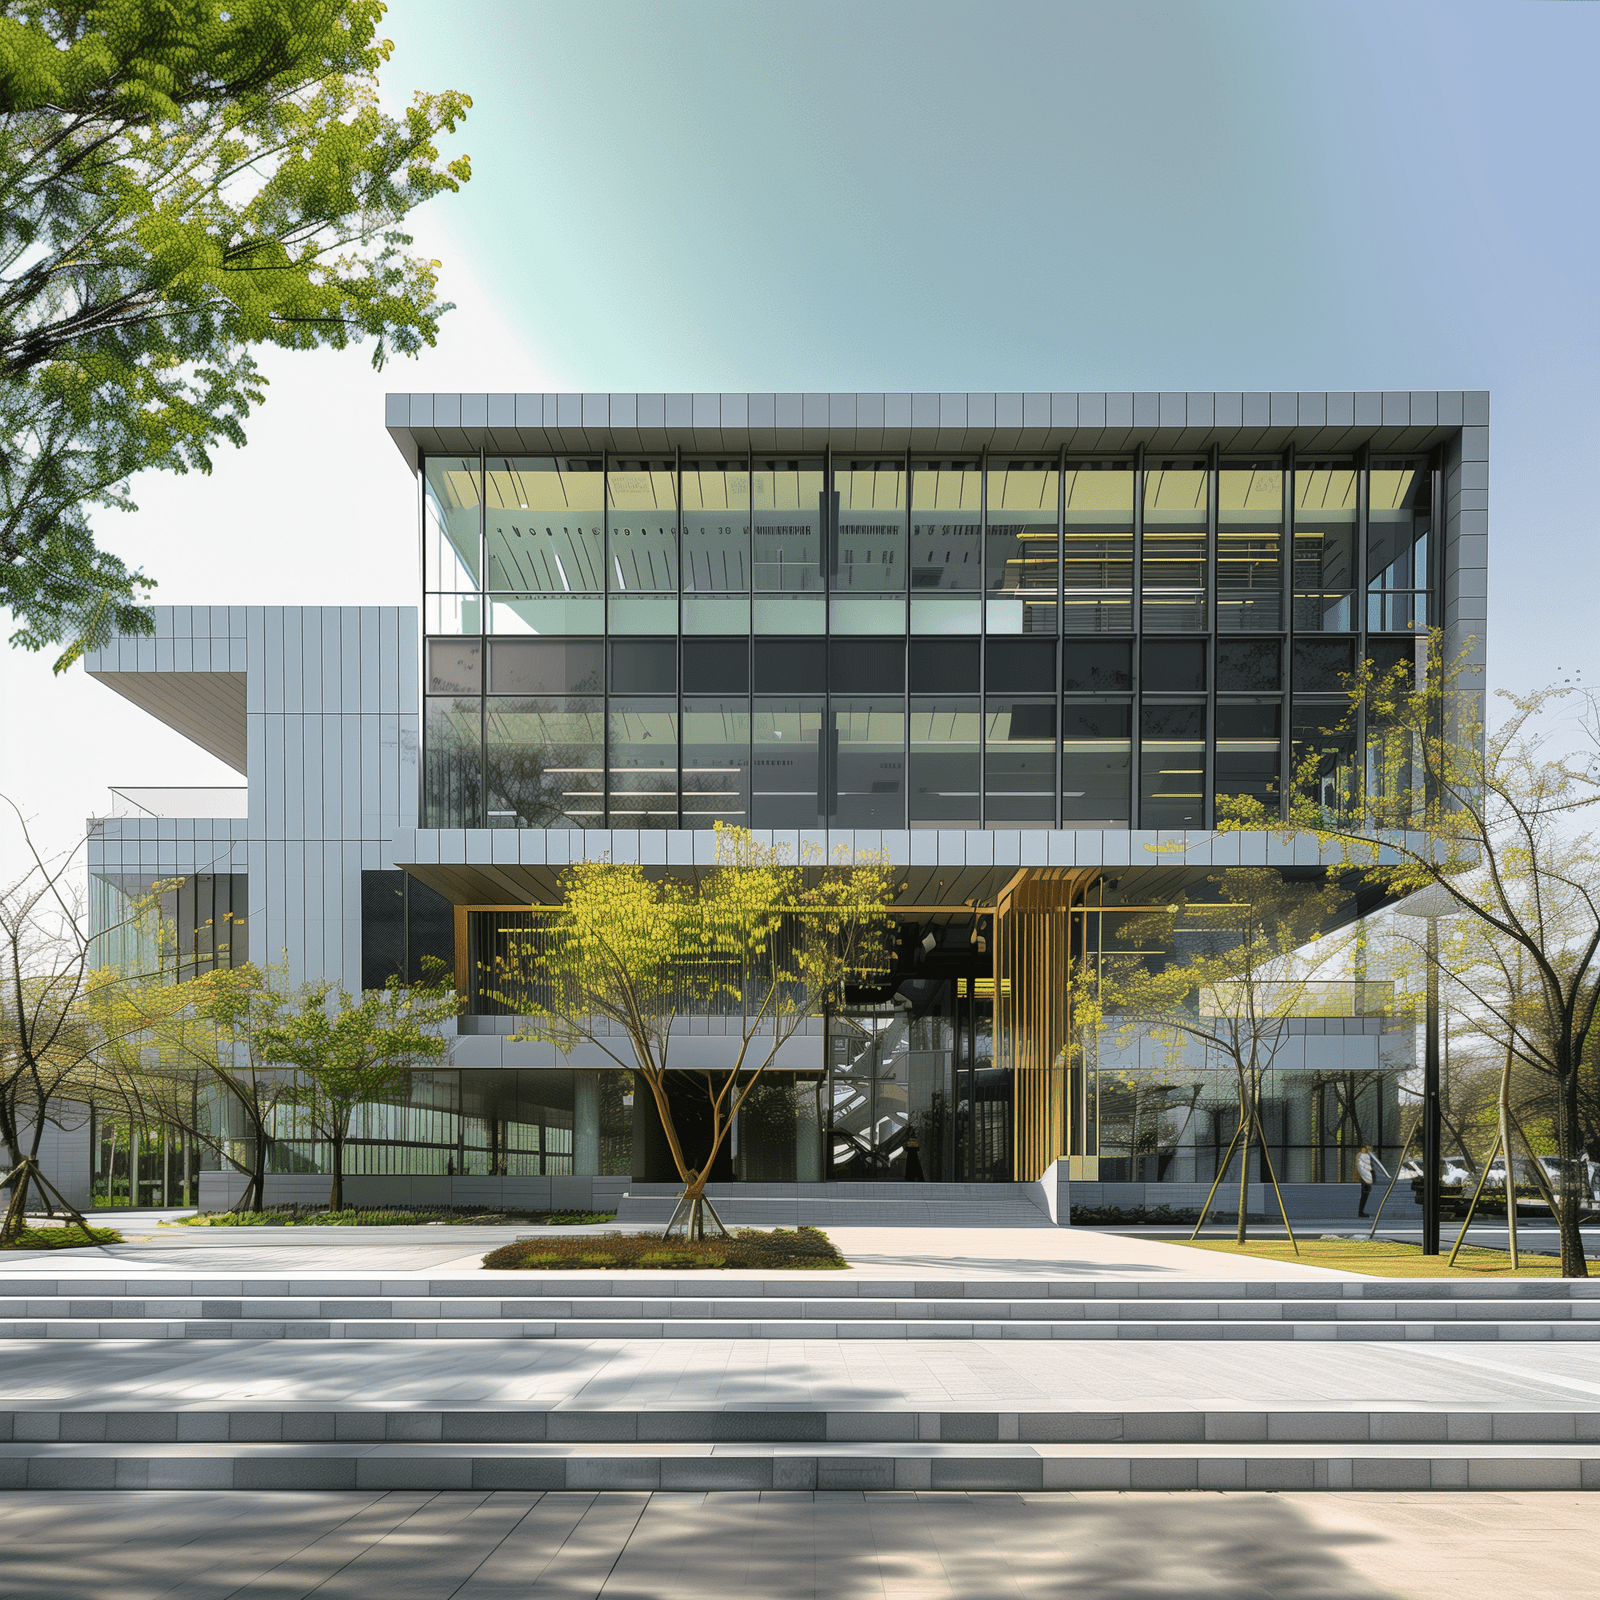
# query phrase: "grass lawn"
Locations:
[[1384, 1258]]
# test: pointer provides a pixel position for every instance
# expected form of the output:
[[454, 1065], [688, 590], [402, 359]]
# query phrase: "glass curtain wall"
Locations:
[[1325, 511], [545, 530], [716, 547], [790, 570], [1250, 546], [946, 547], [867, 561], [642, 547], [1399, 525], [649, 642], [1172, 580], [1097, 559], [1023, 547]]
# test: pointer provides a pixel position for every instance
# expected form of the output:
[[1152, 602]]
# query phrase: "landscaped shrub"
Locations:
[[321, 1217], [804, 1249], [1159, 1216], [64, 1238]]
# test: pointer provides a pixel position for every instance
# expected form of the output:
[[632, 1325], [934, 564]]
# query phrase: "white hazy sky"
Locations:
[[923, 195]]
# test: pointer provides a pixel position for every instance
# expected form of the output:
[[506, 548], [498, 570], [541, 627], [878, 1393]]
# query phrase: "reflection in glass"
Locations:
[[1324, 546], [642, 746], [1173, 580], [867, 614], [946, 521], [869, 763], [546, 666], [946, 738], [1172, 761], [947, 613], [450, 523], [785, 776], [1250, 546], [642, 528], [452, 773], [1323, 754], [1247, 751], [554, 614], [716, 762], [1096, 765], [455, 666], [545, 763], [716, 613], [545, 523], [1023, 547], [786, 500], [642, 613], [1098, 558], [716, 528], [870, 500], [1019, 763], [790, 613], [1249, 664], [452, 613], [1399, 522]]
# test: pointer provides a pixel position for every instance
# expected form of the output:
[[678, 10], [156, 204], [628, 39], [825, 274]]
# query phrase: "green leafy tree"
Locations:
[[765, 940], [357, 1051], [181, 182]]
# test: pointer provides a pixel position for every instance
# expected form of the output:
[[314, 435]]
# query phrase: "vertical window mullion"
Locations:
[[1137, 730], [483, 640]]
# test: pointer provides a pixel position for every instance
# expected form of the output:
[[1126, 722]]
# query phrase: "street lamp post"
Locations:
[[1432, 903]]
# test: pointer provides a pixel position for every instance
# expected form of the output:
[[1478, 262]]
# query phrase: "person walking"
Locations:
[[913, 1162], [1366, 1165]]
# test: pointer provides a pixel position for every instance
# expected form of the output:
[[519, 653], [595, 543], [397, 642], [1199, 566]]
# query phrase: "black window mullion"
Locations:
[[1137, 730]]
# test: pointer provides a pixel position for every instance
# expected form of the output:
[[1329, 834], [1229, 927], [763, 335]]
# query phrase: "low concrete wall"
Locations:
[[1052, 1193], [1308, 1200], [219, 1190]]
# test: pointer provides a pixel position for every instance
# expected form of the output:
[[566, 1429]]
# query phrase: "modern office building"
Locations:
[[1018, 642]]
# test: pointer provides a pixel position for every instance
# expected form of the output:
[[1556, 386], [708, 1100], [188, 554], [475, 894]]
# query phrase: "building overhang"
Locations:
[[945, 872], [1334, 422], [207, 708]]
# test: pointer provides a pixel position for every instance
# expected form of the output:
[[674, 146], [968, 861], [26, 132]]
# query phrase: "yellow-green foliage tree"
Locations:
[[189, 1050], [764, 939], [1226, 975], [1499, 824], [352, 1052]]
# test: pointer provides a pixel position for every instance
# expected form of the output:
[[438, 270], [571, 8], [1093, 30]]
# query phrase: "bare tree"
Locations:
[[52, 1039]]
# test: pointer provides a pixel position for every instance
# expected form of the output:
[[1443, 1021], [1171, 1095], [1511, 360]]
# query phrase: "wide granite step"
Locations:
[[271, 1422], [803, 1466]]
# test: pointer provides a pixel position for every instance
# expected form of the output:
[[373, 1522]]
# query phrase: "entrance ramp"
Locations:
[[847, 1205]]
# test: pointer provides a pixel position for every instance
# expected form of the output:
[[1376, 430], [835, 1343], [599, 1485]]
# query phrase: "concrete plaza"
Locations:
[[796, 1546], [942, 1419]]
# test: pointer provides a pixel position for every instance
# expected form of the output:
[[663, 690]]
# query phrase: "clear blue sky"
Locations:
[[1243, 194], [1120, 194]]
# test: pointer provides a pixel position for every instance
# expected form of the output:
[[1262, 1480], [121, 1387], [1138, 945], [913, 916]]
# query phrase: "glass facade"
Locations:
[[897, 641]]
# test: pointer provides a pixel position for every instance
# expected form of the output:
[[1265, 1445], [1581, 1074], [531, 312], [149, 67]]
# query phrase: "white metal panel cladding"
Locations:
[[331, 742]]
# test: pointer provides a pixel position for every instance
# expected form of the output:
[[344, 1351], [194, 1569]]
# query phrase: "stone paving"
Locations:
[[901, 1252], [796, 1546], [776, 1374]]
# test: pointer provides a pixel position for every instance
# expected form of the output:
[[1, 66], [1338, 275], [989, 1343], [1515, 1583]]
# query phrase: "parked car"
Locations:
[[1453, 1173]]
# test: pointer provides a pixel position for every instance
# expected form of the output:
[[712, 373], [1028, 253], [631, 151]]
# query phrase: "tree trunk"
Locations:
[[1244, 1170], [1574, 1264], [336, 1195]]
